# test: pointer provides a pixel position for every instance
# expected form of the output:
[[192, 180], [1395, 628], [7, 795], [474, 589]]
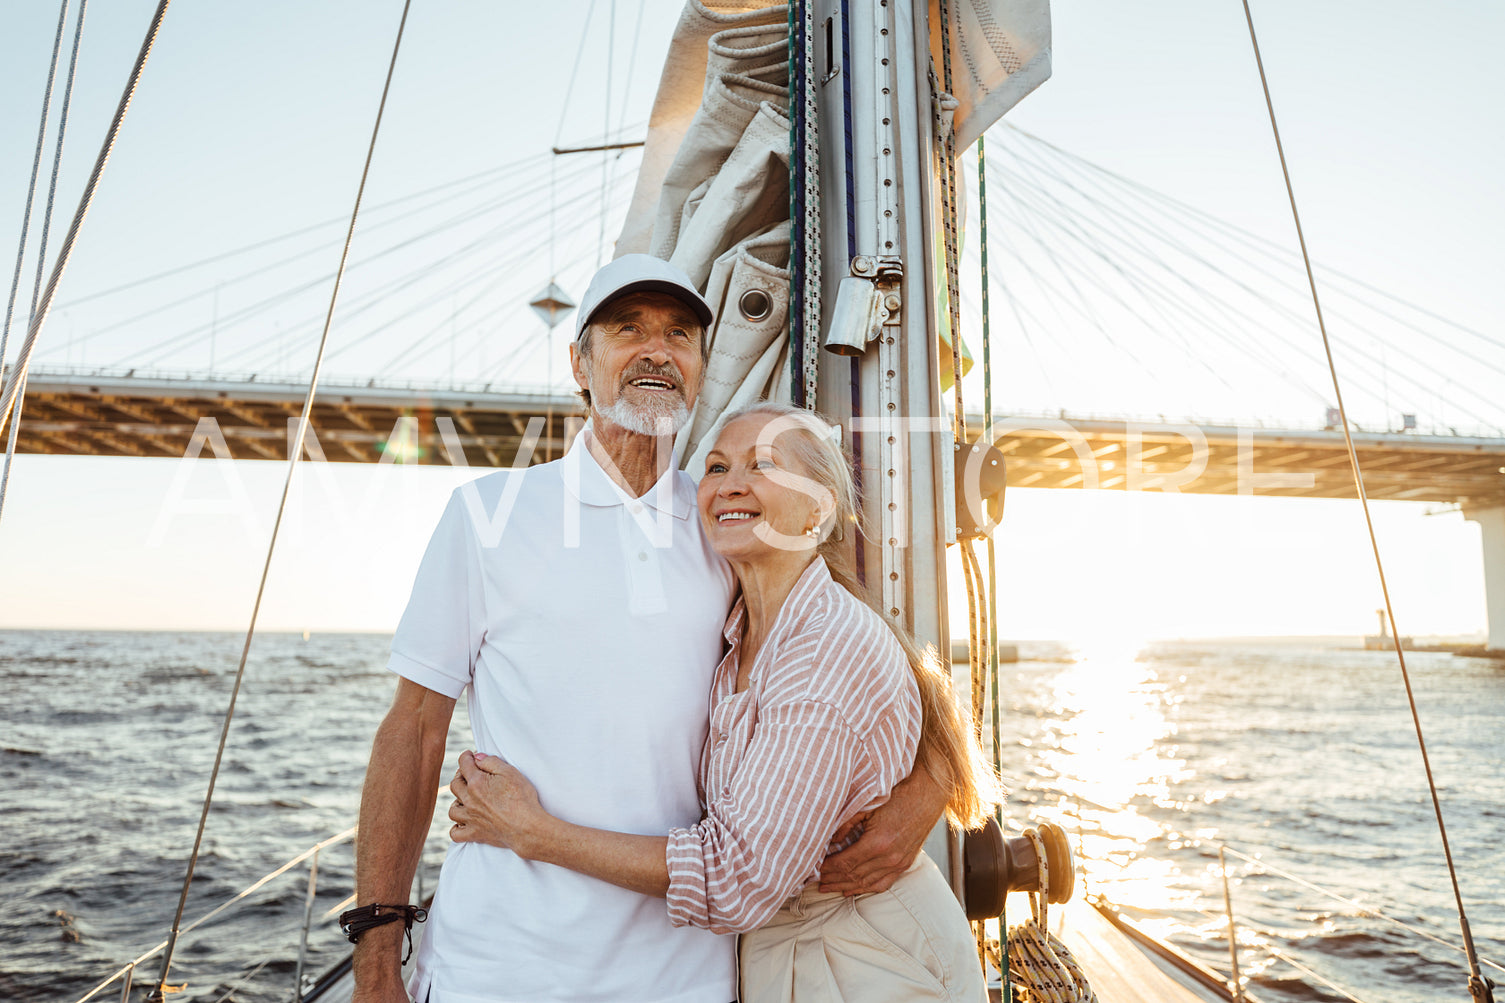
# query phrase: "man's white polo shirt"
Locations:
[[586, 625]]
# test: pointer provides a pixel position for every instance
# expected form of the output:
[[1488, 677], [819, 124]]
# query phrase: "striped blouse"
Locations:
[[827, 726]]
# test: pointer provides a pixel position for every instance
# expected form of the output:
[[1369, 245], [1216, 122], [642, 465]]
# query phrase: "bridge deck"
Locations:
[[120, 415]]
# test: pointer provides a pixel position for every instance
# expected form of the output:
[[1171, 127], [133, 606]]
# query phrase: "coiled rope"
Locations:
[[1041, 968]]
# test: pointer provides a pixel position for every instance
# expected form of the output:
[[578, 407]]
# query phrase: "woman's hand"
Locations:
[[496, 804]]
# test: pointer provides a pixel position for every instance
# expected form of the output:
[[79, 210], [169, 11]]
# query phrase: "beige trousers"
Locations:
[[909, 943]]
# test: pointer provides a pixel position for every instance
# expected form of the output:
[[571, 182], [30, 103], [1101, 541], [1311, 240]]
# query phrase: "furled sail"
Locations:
[[712, 194]]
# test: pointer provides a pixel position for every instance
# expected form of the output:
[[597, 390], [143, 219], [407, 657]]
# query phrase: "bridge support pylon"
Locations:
[[1492, 528]]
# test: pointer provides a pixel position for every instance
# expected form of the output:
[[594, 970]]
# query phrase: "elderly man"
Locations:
[[580, 604]]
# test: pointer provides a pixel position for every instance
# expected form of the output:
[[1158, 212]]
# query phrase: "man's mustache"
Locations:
[[668, 371]]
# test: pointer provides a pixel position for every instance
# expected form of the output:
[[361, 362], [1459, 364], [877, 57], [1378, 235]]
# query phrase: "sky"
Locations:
[[252, 120]]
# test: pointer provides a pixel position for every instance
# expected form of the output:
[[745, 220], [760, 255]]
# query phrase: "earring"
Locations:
[[813, 532]]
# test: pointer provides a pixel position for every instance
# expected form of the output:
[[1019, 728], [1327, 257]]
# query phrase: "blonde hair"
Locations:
[[949, 749]]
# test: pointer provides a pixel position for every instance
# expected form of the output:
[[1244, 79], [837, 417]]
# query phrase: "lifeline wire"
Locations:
[[294, 453], [1478, 986], [39, 317]]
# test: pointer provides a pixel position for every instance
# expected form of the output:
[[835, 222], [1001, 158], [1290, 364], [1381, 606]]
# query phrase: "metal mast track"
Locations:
[[875, 206]]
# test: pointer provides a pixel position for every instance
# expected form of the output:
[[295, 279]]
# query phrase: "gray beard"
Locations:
[[663, 420]]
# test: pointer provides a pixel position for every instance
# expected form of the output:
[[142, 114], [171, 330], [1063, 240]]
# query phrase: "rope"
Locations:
[[947, 137], [804, 207], [992, 579], [294, 453], [31, 187], [1478, 986], [1043, 970]]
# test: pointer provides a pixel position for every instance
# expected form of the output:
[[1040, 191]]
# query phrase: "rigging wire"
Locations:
[[294, 453], [1478, 986], [611, 37], [8, 396], [31, 188], [15, 425], [36, 286]]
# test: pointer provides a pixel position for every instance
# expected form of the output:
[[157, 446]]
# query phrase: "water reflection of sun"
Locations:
[[1111, 755]]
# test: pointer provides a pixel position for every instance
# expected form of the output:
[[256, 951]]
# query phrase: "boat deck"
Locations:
[[1118, 968]]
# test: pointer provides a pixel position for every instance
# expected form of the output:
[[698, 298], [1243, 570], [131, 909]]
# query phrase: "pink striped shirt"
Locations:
[[827, 726]]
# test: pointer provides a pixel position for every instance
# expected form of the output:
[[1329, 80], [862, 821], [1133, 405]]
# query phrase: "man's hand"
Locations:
[[892, 835], [496, 804]]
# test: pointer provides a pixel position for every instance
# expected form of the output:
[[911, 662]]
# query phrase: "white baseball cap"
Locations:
[[640, 273]]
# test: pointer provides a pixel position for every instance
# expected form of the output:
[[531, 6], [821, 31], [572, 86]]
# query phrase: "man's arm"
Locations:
[[892, 835], [397, 806]]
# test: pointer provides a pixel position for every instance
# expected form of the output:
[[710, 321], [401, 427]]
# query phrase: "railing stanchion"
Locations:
[[308, 916], [1238, 985], [125, 988]]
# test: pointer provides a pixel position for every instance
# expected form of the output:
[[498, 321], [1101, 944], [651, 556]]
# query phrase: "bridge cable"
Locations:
[[295, 451], [9, 396], [1179, 245], [1478, 986], [1217, 223], [15, 282], [492, 174], [1205, 226]]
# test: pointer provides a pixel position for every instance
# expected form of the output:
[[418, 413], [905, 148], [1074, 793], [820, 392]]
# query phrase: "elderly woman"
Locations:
[[818, 708]]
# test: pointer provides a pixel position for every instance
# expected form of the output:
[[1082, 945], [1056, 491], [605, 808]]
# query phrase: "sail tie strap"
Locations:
[[1480, 987], [295, 452]]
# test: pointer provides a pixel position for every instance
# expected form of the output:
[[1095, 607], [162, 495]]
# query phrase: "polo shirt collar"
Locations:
[[591, 485]]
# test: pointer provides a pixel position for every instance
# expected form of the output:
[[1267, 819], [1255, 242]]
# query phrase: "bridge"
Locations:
[[121, 413], [1106, 292]]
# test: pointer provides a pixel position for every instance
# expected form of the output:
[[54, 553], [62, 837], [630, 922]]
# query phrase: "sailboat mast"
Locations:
[[878, 198]]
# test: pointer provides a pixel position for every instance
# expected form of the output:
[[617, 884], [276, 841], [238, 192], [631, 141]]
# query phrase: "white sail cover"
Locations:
[[712, 194]]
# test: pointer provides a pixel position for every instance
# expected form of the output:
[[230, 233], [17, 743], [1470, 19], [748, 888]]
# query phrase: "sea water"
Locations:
[[1298, 756]]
